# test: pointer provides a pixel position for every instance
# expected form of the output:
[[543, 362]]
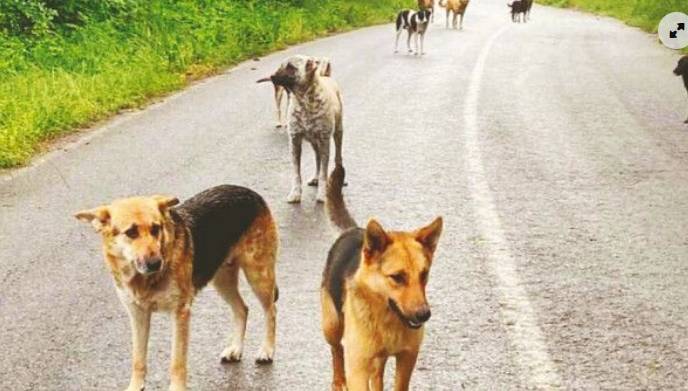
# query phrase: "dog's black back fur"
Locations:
[[217, 218], [518, 7], [342, 262], [682, 70]]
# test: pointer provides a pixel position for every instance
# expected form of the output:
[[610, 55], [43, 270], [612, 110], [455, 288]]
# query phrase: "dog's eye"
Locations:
[[399, 278], [132, 232], [155, 229]]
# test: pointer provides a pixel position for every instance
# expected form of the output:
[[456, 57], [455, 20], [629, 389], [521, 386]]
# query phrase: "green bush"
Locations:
[[66, 63], [645, 14]]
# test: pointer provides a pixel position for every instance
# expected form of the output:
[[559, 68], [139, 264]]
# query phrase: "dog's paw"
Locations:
[[313, 182], [278, 126], [322, 194], [231, 355], [294, 197], [177, 387], [265, 356], [686, 121], [135, 387]]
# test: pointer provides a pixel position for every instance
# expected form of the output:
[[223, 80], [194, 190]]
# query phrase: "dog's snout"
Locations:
[[423, 314], [154, 264]]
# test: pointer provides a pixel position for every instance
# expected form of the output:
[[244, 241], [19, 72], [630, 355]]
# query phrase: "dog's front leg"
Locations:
[[408, 40], [180, 346], [422, 44], [279, 94], [140, 329], [406, 361], [324, 148], [294, 196], [316, 152], [359, 370]]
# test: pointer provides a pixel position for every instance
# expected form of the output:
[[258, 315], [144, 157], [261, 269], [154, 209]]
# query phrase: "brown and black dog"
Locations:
[[373, 296], [160, 256], [682, 70]]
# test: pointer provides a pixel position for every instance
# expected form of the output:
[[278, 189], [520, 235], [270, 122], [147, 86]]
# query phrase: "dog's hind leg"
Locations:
[[279, 94], [295, 147], [396, 43], [258, 262], [422, 44], [461, 22], [406, 361], [377, 381], [333, 328], [408, 41], [226, 283], [447, 20]]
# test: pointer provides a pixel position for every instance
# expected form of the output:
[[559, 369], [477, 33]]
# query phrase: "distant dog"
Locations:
[[518, 10], [315, 115], [428, 5], [456, 7], [373, 296], [416, 23], [325, 69], [160, 257], [682, 70]]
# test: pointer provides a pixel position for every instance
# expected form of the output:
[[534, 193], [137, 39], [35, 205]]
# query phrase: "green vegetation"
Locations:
[[67, 63], [645, 14]]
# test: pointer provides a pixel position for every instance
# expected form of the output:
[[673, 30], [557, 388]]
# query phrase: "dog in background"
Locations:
[[416, 24], [373, 296], [682, 70], [325, 69], [315, 115], [457, 8], [427, 5], [518, 10], [160, 256]]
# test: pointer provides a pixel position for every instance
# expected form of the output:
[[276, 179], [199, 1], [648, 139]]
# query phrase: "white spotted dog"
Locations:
[[416, 23], [325, 70], [315, 116]]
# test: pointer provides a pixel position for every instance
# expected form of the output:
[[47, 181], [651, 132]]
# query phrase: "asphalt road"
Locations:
[[554, 150]]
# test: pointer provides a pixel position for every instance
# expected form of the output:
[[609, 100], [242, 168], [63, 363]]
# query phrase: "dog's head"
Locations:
[[423, 16], [134, 230], [396, 265], [682, 67], [299, 71]]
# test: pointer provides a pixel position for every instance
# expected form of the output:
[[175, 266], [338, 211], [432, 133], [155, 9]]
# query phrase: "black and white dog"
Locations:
[[416, 23], [682, 70]]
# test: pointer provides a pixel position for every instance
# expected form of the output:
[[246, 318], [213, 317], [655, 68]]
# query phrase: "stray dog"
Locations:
[[160, 257], [428, 5], [373, 296], [315, 115], [682, 70], [416, 23], [456, 7], [518, 10], [325, 69]]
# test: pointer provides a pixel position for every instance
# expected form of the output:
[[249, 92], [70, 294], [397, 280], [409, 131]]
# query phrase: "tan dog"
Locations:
[[315, 115], [428, 5], [373, 296], [456, 8], [325, 70], [160, 257]]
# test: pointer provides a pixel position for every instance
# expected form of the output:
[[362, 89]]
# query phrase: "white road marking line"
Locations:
[[520, 320]]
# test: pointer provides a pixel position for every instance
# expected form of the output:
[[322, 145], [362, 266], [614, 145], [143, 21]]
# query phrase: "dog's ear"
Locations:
[[311, 66], [429, 235], [165, 202], [98, 217], [376, 239], [328, 69]]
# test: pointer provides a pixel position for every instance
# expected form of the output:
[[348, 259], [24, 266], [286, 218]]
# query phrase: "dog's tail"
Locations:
[[264, 80], [335, 205]]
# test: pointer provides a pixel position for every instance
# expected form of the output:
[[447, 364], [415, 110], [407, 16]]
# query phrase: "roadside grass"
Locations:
[[645, 14], [69, 78]]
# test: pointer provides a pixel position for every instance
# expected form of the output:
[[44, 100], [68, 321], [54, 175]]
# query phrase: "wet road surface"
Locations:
[[554, 150]]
